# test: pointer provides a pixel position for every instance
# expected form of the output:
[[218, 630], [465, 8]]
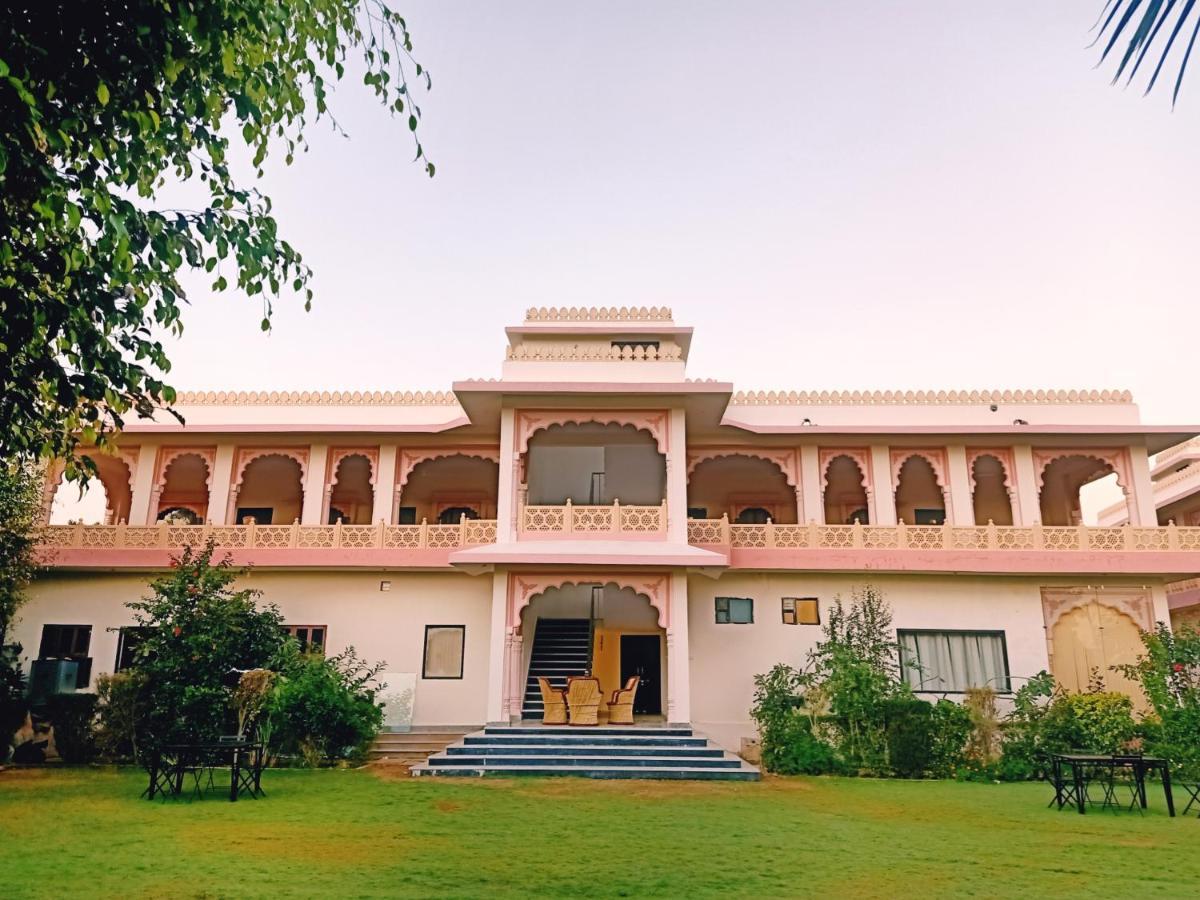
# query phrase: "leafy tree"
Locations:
[[20, 510], [201, 632], [1153, 24], [101, 105]]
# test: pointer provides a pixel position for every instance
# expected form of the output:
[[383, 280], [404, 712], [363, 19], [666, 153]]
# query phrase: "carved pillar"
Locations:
[[506, 487], [314, 487], [515, 653], [959, 508], [812, 500], [881, 493], [140, 511], [677, 479], [1140, 494], [51, 482], [1027, 508], [499, 647], [679, 683], [385, 486]]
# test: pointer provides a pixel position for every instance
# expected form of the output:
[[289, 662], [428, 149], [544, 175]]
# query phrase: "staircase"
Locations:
[[412, 746], [561, 647], [589, 752]]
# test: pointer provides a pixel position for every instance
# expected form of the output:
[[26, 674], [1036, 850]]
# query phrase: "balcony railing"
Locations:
[[1121, 539], [614, 520], [467, 533]]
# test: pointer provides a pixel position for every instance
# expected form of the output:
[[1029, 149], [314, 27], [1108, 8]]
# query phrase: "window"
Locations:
[[801, 611], [310, 637], [697, 512], [753, 515], [941, 661], [735, 611], [443, 651], [69, 642], [929, 517], [407, 515], [261, 515], [452, 514], [129, 639]]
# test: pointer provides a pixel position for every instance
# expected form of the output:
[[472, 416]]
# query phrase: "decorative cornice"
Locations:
[[598, 314], [1178, 450], [316, 398], [885, 398], [592, 352]]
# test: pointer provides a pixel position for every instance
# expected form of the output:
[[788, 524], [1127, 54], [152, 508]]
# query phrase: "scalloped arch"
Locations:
[[408, 460], [935, 458], [652, 421], [1114, 458], [784, 460], [860, 458], [339, 455], [524, 588], [246, 456], [171, 455]]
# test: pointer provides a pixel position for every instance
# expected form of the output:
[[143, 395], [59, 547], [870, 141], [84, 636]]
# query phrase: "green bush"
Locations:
[[1169, 673], [797, 751], [121, 707], [324, 708], [1022, 739], [1100, 722], [13, 706], [73, 717], [909, 728], [952, 728]]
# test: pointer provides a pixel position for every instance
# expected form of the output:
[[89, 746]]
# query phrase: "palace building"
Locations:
[[595, 509]]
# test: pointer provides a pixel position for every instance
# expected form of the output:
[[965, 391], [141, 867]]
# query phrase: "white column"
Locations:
[[1027, 508], [959, 508], [498, 645], [314, 486], [679, 664], [507, 488], [810, 486], [143, 486], [1140, 494], [883, 492], [385, 485], [677, 478], [219, 484]]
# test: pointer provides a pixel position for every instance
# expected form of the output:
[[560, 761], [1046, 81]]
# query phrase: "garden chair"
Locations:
[[554, 703], [620, 707], [583, 700]]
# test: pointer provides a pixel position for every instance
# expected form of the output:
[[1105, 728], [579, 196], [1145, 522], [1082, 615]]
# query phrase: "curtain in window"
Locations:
[[953, 660]]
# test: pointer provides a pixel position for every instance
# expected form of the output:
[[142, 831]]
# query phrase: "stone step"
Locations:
[[588, 731], [693, 752], [588, 762], [682, 773], [594, 741]]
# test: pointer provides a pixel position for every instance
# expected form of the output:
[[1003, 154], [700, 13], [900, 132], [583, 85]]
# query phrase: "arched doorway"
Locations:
[[845, 492], [271, 491], [1061, 481], [183, 487], [1088, 641], [748, 489], [991, 499], [445, 488], [920, 499], [352, 491], [103, 499]]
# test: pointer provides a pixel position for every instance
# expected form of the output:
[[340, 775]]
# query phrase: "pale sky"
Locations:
[[884, 195]]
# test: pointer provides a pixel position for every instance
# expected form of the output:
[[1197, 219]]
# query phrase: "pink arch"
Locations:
[[653, 421], [410, 459], [935, 458], [247, 456], [784, 460], [523, 588]]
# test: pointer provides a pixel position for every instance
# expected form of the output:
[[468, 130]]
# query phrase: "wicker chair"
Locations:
[[583, 700], [620, 707], [554, 703]]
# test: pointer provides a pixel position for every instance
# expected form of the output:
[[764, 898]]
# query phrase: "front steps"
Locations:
[[412, 746], [589, 752]]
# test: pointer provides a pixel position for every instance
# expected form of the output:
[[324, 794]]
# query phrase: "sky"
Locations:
[[887, 195]]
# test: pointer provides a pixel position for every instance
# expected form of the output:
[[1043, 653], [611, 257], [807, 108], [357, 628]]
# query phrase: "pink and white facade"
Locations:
[[595, 480]]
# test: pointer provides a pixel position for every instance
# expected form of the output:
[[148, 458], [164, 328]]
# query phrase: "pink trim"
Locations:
[[1001, 455], [167, 456], [653, 421], [936, 457], [247, 455], [1116, 458], [322, 558], [338, 454], [407, 460], [524, 587], [477, 386], [786, 459], [298, 428], [860, 456]]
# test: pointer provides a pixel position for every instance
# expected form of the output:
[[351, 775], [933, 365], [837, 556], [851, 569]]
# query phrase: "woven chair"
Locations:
[[554, 703], [620, 707], [583, 700]]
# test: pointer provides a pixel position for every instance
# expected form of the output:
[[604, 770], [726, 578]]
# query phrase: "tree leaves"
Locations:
[[101, 104], [1119, 17]]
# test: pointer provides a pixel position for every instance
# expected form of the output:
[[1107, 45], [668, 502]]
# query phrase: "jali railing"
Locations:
[[598, 521]]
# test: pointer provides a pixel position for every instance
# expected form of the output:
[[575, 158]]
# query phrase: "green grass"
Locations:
[[360, 834]]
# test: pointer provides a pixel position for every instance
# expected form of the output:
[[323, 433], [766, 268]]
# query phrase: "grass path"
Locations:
[[361, 834]]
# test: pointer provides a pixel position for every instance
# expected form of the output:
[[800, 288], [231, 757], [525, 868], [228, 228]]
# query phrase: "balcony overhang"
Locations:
[[589, 553]]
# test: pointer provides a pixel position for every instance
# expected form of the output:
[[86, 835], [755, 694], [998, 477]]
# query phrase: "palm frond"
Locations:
[[1140, 22]]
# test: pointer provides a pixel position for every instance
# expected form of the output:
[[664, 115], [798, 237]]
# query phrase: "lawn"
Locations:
[[370, 833]]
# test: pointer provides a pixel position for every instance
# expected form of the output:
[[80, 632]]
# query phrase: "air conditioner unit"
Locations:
[[51, 676]]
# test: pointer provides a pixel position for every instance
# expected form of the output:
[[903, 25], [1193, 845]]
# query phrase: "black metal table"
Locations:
[[169, 767], [1140, 766]]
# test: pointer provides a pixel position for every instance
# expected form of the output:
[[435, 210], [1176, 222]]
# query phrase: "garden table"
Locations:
[[1140, 766], [168, 768]]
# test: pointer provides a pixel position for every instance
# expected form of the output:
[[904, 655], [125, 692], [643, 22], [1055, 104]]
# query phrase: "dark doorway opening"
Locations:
[[641, 655]]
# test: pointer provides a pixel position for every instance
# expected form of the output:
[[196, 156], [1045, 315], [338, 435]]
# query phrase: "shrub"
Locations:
[[952, 727], [909, 728], [121, 706], [1169, 673], [797, 751], [1022, 741], [324, 707], [13, 706], [200, 632], [73, 717], [1100, 721]]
